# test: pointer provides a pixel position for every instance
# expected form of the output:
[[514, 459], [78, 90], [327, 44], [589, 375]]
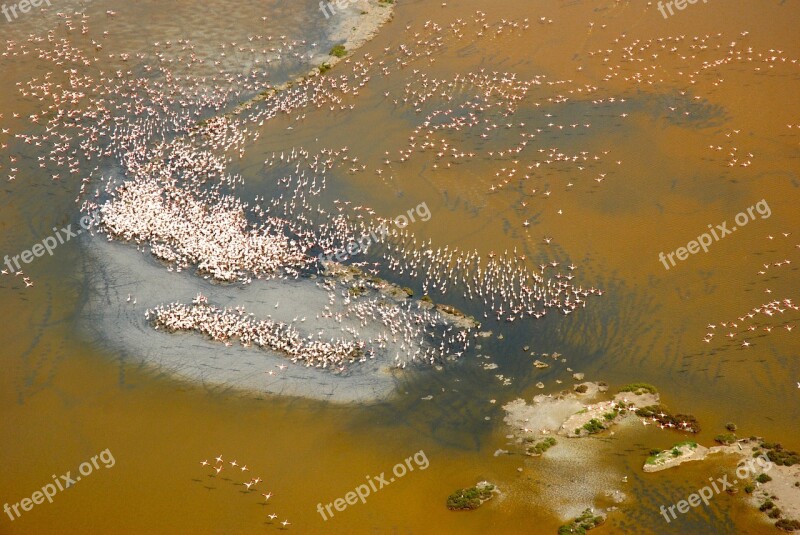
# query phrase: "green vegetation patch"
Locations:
[[763, 478], [594, 426], [787, 525], [639, 388], [780, 456], [582, 524], [468, 499], [542, 446], [657, 456], [726, 439], [679, 422], [339, 51]]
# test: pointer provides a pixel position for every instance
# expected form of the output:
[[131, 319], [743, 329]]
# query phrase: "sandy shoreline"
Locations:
[[573, 415], [781, 488]]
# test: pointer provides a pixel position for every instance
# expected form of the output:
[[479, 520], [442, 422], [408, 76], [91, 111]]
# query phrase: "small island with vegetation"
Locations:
[[471, 498], [541, 446], [776, 494], [660, 415], [588, 520], [678, 454], [597, 417]]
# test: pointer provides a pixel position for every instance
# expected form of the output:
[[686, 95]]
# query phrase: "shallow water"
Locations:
[[66, 396]]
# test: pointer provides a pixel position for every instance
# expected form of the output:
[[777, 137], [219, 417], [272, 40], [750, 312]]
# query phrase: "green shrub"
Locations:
[[726, 439], [468, 499], [338, 51], [541, 447], [582, 524], [787, 525], [593, 426], [763, 478], [749, 488], [779, 456], [654, 411], [730, 426], [639, 388]]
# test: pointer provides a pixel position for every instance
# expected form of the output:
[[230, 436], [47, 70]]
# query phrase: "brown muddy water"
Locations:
[[691, 120]]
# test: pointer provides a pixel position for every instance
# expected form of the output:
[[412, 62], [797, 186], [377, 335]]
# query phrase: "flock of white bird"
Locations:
[[219, 465]]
